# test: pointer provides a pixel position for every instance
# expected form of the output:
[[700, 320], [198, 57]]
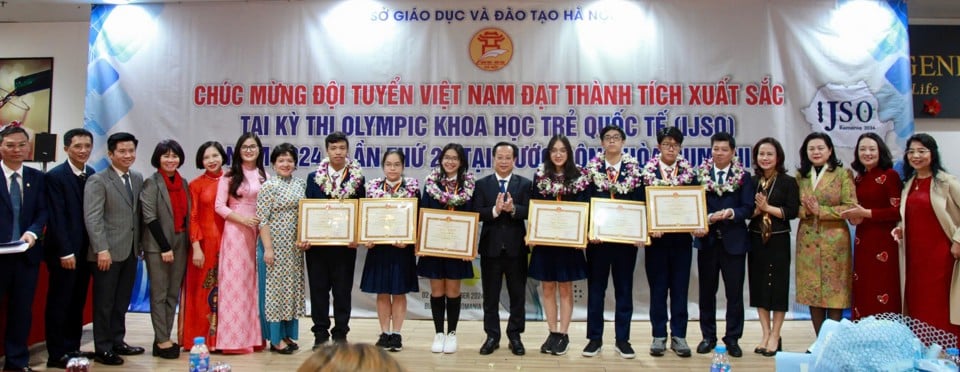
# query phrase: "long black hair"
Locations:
[[461, 169], [805, 164], [884, 160], [931, 144], [236, 162], [570, 171]]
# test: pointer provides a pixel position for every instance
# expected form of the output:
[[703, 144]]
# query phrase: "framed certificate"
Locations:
[[558, 223], [327, 221], [451, 234], [388, 221], [676, 208], [618, 221]]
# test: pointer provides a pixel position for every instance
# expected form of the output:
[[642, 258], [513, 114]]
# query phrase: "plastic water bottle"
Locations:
[[199, 355], [953, 355], [720, 362]]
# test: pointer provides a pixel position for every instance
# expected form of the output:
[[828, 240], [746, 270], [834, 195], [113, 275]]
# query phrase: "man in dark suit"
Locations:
[[723, 250], [502, 199], [24, 211], [615, 175], [111, 212], [331, 268], [66, 242]]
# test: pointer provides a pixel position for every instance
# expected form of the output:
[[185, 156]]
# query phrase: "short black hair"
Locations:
[[164, 147], [777, 148], [612, 127], [335, 137], [670, 132], [285, 148], [723, 137], [118, 137], [516, 150], [203, 149], [394, 151], [11, 130], [833, 162], [930, 143], [68, 137]]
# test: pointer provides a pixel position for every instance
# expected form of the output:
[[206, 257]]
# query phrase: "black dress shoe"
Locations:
[[172, 352], [759, 350], [489, 346], [706, 346], [292, 344], [734, 350], [516, 347], [287, 350], [109, 358], [124, 349], [60, 363]]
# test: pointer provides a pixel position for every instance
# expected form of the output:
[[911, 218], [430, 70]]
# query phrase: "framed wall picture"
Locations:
[[26, 86]]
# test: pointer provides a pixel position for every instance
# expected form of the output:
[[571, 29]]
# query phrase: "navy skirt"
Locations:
[[444, 268], [557, 264], [390, 270]]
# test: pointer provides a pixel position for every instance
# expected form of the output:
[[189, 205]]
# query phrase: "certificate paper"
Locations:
[[618, 221], [451, 234], [388, 221], [677, 208], [558, 223], [327, 221]]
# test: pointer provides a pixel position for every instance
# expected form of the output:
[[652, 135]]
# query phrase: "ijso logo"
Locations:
[[491, 49], [845, 112]]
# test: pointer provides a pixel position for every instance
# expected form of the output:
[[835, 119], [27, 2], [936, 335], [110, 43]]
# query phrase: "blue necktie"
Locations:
[[503, 186], [720, 177], [15, 201]]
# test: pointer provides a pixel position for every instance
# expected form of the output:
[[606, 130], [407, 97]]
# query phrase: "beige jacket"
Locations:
[[945, 197]]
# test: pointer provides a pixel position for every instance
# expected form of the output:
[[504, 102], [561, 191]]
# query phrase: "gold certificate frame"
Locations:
[[451, 234], [327, 221], [618, 221], [677, 208], [388, 221], [558, 223]]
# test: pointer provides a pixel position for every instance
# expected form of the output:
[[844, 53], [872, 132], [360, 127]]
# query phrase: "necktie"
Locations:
[[667, 172], [612, 173], [720, 177], [503, 186], [126, 182], [15, 201]]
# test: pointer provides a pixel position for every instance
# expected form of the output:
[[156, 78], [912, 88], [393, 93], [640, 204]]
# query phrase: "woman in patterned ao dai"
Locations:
[[824, 267], [277, 206]]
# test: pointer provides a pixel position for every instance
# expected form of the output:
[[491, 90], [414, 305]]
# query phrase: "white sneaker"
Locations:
[[438, 342], [450, 344]]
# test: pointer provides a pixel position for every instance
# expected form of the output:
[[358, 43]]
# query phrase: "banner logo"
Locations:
[[491, 49], [845, 112]]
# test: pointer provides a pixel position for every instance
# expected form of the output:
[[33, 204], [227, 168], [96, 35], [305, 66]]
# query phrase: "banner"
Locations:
[[935, 71], [418, 75]]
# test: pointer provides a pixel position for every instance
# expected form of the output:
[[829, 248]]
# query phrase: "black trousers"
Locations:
[[712, 263], [493, 270], [330, 269], [66, 298], [112, 290], [18, 282]]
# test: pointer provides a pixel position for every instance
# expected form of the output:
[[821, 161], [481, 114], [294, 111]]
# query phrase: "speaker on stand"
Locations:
[[45, 148]]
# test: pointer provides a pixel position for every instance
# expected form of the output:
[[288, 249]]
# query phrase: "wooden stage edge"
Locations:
[[418, 335]]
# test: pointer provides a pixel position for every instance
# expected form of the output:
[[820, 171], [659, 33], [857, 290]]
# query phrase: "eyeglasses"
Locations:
[[248, 148], [670, 146], [920, 152], [612, 137]]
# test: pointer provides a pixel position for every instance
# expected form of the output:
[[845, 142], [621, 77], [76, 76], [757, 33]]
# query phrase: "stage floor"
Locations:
[[418, 335]]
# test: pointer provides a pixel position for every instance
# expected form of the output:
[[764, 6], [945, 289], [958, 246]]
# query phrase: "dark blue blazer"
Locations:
[[733, 233], [637, 194], [507, 230], [33, 211], [66, 232]]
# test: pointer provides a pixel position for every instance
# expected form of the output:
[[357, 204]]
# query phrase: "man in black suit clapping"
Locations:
[[501, 199]]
